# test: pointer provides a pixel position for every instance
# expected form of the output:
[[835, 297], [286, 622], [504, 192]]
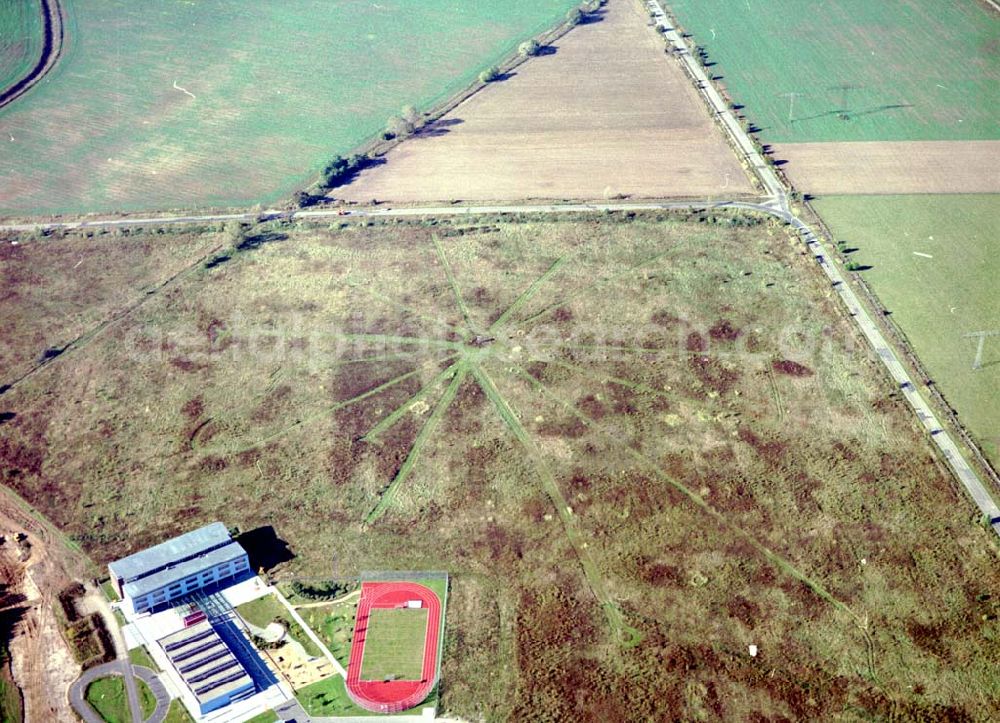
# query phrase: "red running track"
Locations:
[[380, 696]]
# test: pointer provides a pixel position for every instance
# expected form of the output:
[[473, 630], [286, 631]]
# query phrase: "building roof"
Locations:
[[171, 551], [204, 661], [173, 573]]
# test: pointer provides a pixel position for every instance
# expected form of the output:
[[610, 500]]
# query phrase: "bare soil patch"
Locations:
[[892, 167], [603, 112], [34, 565]]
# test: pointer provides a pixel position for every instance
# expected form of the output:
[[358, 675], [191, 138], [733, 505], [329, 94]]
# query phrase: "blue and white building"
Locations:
[[149, 580], [208, 667]]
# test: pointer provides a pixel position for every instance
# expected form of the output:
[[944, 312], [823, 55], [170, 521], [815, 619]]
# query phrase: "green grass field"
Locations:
[[394, 644], [11, 706], [328, 697], [20, 39], [918, 70], [11, 703], [139, 656], [107, 696], [280, 88], [935, 301], [333, 624], [177, 713]]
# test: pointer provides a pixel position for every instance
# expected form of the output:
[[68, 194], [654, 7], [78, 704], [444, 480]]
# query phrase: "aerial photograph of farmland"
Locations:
[[522, 360]]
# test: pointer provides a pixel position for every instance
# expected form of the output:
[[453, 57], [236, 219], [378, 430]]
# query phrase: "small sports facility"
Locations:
[[394, 654]]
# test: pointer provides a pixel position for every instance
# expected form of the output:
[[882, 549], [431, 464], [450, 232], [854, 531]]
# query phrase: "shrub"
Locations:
[[398, 126], [410, 114], [303, 199], [490, 74], [529, 48], [321, 590], [341, 169], [67, 600], [574, 16]]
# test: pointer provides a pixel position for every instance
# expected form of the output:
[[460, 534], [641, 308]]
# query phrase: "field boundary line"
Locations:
[[527, 294], [299, 423], [450, 274], [378, 147], [575, 293], [776, 393], [86, 337], [626, 635], [402, 307]]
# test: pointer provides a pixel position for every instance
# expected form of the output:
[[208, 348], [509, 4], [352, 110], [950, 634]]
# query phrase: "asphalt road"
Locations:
[[121, 648], [778, 206], [78, 691]]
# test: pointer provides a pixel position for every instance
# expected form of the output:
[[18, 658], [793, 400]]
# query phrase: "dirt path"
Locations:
[[52, 47], [324, 603], [94, 601]]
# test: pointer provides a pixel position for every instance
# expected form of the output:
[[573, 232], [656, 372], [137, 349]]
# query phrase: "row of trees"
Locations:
[[532, 47], [340, 169], [403, 124]]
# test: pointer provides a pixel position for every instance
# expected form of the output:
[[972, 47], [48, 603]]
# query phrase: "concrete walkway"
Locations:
[[308, 631]]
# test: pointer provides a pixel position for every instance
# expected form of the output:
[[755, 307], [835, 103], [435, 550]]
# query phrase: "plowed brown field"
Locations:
[[603, 112], [892, 167]]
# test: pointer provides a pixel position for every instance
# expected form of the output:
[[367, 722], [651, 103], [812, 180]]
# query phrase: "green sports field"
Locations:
[[895, 235], [394, 644], [20, 39], [916, 69], [169, 104]]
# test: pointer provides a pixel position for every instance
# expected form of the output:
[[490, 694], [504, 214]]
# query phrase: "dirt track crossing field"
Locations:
[[604, 112], [620, 439], [892, 167]]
